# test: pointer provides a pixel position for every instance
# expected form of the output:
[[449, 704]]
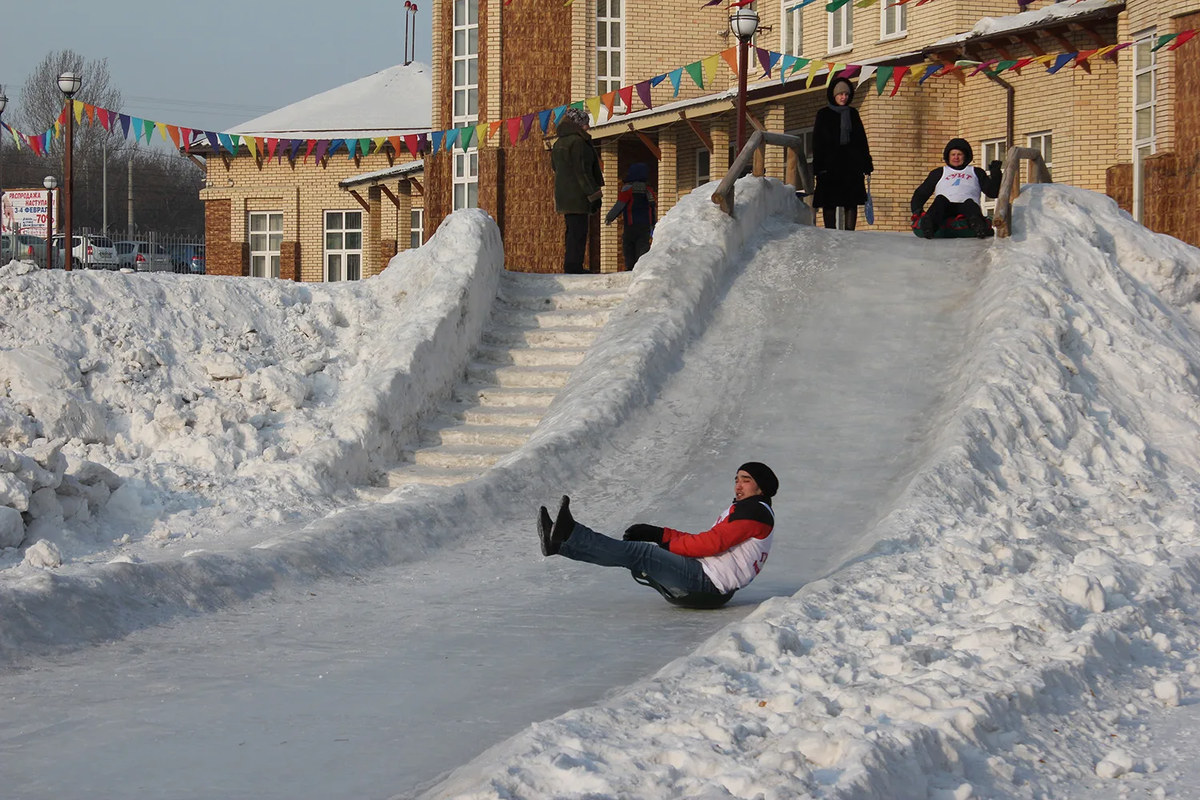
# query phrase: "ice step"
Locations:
[[492, 396], [507, 336], [516, 318], [519, 377], [436, 476], [456, 456], [532, 356], [579, 283], [560, 300], [503, 416], [455, 433]]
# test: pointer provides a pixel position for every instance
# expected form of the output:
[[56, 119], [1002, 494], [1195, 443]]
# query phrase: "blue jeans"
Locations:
[[681, 575]]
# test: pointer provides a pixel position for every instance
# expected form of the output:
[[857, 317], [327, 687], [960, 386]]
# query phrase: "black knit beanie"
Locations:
[[763, 476]]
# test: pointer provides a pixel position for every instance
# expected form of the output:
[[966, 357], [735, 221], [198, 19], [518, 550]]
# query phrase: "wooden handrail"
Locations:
[[799, 171], [1010, 186]]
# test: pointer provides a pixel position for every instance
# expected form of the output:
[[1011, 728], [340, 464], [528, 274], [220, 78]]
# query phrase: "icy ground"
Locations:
[[984, 578]]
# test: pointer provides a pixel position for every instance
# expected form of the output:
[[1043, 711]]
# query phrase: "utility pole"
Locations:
[[129, 196]]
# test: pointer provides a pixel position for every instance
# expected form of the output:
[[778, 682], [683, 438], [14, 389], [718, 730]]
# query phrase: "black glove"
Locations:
[[994, 166], [641, 532]]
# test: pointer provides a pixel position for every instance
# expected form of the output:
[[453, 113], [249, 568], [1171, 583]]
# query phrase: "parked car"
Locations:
[[87, 251], [144, 257], [187, 257], [27, 246]]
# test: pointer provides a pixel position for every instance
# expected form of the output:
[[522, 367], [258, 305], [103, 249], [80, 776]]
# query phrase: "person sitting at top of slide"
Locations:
[[700, 570], [956, 189]]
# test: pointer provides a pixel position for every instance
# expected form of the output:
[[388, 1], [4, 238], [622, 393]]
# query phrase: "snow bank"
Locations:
[[1048, 543]]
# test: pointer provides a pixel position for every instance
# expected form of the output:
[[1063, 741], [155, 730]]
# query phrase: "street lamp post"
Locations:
[[3, 104], [744, 24], [51, 184], [68, 84]]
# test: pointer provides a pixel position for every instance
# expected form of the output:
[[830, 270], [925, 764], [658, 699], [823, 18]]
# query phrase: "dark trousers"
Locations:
[[636, 243], [680, 575], [942, 209], [849, 217], [576, 243]]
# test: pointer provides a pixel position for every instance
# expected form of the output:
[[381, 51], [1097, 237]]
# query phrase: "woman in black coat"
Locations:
[[841, 156]]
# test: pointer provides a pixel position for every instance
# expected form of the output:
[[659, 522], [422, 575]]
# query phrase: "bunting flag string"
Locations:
[[703, 73]]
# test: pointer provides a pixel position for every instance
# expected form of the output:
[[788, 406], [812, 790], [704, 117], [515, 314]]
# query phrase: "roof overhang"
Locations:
[[405, 171]]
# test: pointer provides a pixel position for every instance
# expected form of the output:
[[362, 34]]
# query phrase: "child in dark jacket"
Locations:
[[956, 189], [638, 206]]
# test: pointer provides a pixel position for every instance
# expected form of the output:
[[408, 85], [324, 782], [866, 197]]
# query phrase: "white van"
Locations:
[[88, 252]]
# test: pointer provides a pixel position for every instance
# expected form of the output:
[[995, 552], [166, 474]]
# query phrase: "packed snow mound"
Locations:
[[1048, 544], [154, 407]]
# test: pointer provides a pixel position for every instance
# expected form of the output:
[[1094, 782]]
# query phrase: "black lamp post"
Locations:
[[3, 104], [68, 84], [744, 23], [51, 183]]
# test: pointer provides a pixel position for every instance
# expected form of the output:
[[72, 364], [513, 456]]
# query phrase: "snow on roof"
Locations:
[[1057, 12], [400, 170], [393, 101]]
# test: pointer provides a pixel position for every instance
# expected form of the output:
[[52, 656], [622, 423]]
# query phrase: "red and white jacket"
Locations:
[[734, 550]]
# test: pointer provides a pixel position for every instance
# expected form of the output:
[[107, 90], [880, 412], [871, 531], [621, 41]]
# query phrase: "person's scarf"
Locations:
[[844, 112]]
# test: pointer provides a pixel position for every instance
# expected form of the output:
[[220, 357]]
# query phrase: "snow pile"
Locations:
[[1029, 596], [197, 407]]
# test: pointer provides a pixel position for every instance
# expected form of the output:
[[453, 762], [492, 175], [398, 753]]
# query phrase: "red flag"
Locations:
[[899, 76], [186, 135], [626, 95], [271, 145], [514, 128], [103, 112], [410, 141], [1181, 39], [311, 144]]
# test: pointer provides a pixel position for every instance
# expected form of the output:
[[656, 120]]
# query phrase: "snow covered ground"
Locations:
[[1020, 621]]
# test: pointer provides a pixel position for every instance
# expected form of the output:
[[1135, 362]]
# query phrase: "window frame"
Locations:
[[416, 232], [846, 13], [271, 236], [1001, 145], [465, 182], [608, 82], [791, 28], [703, 151], [343, 252], [1141, 144], [901, 17]]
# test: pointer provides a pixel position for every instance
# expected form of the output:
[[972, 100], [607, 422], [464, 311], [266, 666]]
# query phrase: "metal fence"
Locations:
[[145, 251]]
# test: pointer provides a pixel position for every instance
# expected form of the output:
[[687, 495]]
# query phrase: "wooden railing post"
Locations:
[[799, 173], [1010, 185]]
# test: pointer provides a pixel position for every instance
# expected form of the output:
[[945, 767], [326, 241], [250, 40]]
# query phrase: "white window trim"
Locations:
[[343, 251], [796, 16], [901, 14], [419, 228], [706, 178], [611, 82], [467, 119], [989, 204], [272, 270], [1145, 38], [847, 14]]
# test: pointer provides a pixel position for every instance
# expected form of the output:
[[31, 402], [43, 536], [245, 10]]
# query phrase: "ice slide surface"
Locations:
[[827, 357]]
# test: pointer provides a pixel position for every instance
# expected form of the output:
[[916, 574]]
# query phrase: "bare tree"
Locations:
[[41, 101]]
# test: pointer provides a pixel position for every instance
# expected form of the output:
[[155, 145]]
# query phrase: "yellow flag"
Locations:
[[379, 143], [812, 72], [593, 107], [78, 113], [57, 129], [481, 134], [710, 68], [865, 3], [250, 145]]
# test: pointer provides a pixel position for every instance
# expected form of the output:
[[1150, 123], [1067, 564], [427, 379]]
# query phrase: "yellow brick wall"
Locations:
[[303, 192]]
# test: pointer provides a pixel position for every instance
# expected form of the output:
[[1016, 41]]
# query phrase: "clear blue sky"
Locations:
[[215, 63]]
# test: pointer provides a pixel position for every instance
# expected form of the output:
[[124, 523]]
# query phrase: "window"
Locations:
[[343, 245], [841, 28], [993, 150], [893, 23], [1041, 142], [466, 99], [1145, 112], [416, 228], [703, 166], [791, 35], [610, 48], [266, 239]]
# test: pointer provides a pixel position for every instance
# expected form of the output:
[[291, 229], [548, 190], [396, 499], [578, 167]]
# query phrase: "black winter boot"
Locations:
[[564, 524], [981, 227], [545, 532]]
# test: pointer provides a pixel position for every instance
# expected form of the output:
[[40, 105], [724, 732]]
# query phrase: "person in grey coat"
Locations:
[[577, 184]]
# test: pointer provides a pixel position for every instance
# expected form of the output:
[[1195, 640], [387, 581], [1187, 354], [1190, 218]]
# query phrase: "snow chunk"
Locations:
[[1168, 692], [43, 554], [12, 527], [1115, 764]]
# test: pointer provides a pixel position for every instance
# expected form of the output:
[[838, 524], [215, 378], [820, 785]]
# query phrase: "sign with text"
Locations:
[[25, 211]]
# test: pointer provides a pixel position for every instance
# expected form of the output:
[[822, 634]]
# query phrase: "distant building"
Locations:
[[328, 219]]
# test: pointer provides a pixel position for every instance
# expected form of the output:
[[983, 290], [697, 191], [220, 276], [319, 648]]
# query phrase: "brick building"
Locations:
[[328, 218], [1113, 123]]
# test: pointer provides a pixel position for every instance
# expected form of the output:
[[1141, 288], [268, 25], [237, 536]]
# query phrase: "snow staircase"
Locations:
[[540, 329]]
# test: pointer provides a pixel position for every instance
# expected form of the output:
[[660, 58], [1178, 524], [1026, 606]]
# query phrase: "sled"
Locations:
[[697, 600], [953, 228]]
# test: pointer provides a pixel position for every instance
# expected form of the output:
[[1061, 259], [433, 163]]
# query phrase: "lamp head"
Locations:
[[744, 23], [50, 182], [3, 101], [69, 83]]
